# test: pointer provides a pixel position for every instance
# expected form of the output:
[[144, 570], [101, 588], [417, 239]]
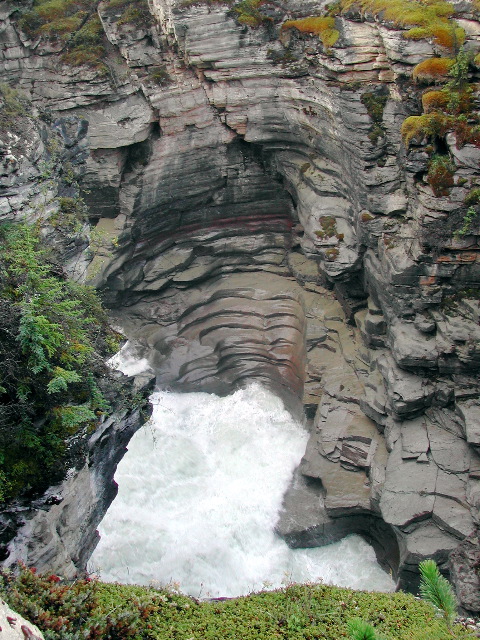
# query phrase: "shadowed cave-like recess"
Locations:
[[253, 220]]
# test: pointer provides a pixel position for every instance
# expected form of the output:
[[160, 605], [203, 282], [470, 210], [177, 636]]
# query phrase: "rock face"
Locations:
[[57, 532], [14, 627], [253, 221]]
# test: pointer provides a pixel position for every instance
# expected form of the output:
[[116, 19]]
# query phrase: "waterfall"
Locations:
[[200, 490]]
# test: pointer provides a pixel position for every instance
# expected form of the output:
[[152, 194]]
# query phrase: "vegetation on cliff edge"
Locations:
[[54, 335], [90, 610], [74, 27]]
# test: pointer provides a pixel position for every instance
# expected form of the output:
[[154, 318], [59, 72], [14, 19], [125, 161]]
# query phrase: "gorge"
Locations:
[[254, 215]]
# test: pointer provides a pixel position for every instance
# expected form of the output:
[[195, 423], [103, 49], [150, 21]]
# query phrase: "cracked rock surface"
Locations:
[[249, 225]]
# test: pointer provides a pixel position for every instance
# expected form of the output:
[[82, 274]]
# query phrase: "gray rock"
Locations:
[[14, 627], [453, 517], [469, 411], [409, 492], [449, 452], [415, 440]]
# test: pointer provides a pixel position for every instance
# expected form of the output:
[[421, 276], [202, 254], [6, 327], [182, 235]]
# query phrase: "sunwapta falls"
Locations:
[[239, 319]]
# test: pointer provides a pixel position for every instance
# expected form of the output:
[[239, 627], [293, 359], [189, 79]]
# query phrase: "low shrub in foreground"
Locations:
[[89, 609]]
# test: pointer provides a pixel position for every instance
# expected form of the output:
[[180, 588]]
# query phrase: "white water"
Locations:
[[199, 494]]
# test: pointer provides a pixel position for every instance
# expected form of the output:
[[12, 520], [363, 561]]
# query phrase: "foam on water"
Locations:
[[128, 361], [199, 494]]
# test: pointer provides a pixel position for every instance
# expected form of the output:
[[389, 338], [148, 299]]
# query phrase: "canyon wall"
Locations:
[[252, 217]]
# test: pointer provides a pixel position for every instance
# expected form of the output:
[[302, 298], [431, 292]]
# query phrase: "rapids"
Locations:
[[200, 490]]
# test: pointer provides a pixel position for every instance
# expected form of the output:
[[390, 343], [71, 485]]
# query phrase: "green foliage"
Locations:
[[91, 610], [360, 630], [135, 13], [73, 611], [459, 71], [249, 12], [436, 590], [472, 197], [52, 332], [323, 26], [72, 213], [15, 118], [426, 18], [448, 109], [428, 125], [432, 70], [55, 19], [12, 105], [375, 102], [72, 24], [440, 175], [468, 220]]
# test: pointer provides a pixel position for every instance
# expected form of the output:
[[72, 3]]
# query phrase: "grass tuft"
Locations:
[[432, 70], [322, 26]]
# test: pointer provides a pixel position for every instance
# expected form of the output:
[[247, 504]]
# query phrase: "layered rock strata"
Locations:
[[253, 221]]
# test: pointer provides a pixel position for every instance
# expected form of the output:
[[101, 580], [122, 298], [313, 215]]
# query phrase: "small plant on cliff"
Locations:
[[469, 218], [374, 102], [426, 19], [440, 174], [73, 25], [159, 75], [436, 590], [134, 13], [432, 70], [428, 125], [328, 227], [322, 26], [249, 12]]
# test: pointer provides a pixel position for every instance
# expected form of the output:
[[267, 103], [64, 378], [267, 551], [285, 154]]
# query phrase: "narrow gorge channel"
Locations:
[[200, 490], [246, 205]]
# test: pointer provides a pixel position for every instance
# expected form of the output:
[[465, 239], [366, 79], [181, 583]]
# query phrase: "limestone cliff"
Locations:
[[254, 213]]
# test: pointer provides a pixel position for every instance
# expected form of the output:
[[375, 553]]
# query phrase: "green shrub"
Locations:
[[13, 105], [426, 19], [159, 75], [468, 219], [428, 125], [440, 175], [52, 337], [72, 23], [92, 610], [72, 611], [375, 104]]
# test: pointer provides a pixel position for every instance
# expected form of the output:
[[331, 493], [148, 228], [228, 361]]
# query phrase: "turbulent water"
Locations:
[[199, 494]]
